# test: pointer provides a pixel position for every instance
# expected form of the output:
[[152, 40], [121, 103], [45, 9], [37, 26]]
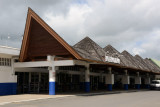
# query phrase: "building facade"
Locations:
[[48, 64], [8, 79]]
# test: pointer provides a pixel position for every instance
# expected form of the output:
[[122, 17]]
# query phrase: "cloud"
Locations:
[[138, 51], [127, 25], [14, 13], [70, 26]]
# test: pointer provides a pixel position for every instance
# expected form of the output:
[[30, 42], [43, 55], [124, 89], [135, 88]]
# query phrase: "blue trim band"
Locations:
[[125, 86], [87, 86], [8, 88], [109, 87], [52, 88], [138, 86]]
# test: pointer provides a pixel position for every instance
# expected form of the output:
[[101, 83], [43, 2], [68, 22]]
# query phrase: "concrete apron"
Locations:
[[26, 97], [32, 97]]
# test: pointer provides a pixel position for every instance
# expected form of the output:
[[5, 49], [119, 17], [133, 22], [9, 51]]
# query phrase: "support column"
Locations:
[[125, 80], [147, 81], [109, 80], [13, 78], [137, 81], [82, 80], [87, 79], [52, 76]]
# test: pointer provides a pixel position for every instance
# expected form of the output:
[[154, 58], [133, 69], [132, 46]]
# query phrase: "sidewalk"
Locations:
[[31, 97], [27, 97]]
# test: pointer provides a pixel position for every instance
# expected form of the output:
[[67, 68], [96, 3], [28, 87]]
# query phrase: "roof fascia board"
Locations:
[[25, 37]]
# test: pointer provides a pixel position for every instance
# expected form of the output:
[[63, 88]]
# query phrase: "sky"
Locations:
[[132, 25]]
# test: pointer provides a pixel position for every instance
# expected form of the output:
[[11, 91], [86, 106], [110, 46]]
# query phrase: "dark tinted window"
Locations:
[[155, 82]]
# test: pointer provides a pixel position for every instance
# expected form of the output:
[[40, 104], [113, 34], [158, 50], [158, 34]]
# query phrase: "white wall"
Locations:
[[6, 75], [9, 51]]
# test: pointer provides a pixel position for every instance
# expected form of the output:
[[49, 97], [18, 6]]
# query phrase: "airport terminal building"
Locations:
[[48, 64]]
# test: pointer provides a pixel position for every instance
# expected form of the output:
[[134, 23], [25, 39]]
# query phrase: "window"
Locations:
[[5, 62]]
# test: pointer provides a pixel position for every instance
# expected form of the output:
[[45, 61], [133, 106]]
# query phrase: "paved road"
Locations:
[[133, 99]]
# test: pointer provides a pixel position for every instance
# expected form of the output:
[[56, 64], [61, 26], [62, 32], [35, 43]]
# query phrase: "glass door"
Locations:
[[34, 82]]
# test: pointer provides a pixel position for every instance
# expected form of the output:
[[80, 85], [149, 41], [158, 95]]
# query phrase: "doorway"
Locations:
[[32, 82]]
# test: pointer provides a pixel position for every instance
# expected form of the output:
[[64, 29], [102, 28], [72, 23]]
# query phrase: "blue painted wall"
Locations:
[[109, 86], [138, 86], [125, 86], [8, 88], [87, 86]]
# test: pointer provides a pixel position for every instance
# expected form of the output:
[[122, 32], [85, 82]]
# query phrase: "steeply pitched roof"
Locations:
[[134, 62], [156, 62], [36, 30], [123, 61], [42, 31], [111, 49], [152, 65], [88, 49], [141, 60]]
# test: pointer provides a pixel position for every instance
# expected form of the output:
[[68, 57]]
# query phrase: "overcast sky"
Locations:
[[132, 25]]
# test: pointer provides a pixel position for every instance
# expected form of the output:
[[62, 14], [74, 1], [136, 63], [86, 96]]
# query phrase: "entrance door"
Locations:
[[44, 83], [22, 82], [132, 83], [94, 82], [143, 83], [34, 82], [63, 82]]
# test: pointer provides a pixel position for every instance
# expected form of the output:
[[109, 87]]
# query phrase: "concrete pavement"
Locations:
[[131, 99], [31, 97], [27, 97]]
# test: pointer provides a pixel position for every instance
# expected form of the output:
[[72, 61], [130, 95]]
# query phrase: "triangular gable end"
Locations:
[[40, 39]]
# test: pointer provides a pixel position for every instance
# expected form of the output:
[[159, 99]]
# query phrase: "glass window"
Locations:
[[2, 61], [155, 82], [9, 62], [5, 62]]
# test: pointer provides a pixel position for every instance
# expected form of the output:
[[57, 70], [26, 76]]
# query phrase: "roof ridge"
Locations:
[[81, 40], [111, 47]]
